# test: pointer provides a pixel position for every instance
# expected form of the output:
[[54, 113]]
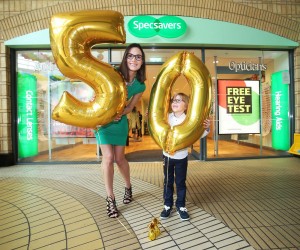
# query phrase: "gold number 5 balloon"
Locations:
[[171, 139], [72, 36]]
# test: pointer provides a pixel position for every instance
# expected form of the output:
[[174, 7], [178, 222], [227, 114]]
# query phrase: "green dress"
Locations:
[[116, 132]]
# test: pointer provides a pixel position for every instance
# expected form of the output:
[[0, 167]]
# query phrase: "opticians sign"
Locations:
[[246, 66], [149, 26]]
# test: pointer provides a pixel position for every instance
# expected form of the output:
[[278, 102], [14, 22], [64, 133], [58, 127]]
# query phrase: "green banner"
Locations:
[[27, 115], [280, 110]]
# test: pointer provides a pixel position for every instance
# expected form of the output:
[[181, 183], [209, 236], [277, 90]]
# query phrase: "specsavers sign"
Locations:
[[148, 26]]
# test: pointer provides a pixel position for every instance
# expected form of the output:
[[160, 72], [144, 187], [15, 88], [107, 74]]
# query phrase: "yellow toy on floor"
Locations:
[[295, 148], [154, 230]]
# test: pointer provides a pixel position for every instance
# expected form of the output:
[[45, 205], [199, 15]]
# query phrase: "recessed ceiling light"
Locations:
[[155, 59]]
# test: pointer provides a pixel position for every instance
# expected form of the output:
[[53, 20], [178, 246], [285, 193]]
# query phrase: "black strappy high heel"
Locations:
[[111, 207], [128, 195]]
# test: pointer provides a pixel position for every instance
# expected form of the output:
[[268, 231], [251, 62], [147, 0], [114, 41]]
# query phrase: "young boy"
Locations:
[[177, 164]]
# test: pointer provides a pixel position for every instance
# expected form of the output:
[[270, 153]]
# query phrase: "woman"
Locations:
[[112, 137]]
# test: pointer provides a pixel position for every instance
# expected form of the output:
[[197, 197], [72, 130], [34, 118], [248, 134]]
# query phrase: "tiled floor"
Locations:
[[242, 204]]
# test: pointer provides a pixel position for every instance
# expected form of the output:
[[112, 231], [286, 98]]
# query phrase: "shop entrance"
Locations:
[[56, 142]]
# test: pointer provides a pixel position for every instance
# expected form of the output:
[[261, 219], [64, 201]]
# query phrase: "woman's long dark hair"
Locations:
[[141, 73]]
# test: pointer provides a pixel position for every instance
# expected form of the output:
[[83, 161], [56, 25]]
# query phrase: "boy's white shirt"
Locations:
[[182, 153]]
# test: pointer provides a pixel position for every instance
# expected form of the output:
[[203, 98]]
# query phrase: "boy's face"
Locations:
[[178, 105]]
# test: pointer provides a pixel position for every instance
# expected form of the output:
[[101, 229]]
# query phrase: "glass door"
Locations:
[[248, 85]]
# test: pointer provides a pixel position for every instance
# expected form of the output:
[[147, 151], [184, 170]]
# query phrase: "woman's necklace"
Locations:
[[130, 83]]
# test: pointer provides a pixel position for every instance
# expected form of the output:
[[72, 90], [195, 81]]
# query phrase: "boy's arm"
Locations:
[[206, 125]]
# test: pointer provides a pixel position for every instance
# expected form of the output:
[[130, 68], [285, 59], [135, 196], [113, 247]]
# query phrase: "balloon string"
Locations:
[[123, 226], [166, 184]]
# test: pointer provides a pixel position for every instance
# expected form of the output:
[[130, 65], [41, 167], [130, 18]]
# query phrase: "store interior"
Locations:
[[79, 144]]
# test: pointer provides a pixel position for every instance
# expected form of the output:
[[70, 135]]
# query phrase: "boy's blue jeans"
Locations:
[[177, 168]]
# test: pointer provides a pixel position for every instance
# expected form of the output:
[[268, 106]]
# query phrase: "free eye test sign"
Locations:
[[149, 26], [238, 105], [239, 100]]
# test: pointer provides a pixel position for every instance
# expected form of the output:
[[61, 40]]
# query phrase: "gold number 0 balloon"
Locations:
[[72, 36], [171, 139]]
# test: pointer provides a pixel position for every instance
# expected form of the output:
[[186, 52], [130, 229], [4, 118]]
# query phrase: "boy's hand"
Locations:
[[206, 124]]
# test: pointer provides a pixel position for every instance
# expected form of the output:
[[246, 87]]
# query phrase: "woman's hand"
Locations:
[[118, 117], [133, 101], [129, 106], [126, 111]]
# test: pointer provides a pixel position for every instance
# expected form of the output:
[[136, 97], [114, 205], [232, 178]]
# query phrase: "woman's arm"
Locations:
[[133, 101], [130, 106]]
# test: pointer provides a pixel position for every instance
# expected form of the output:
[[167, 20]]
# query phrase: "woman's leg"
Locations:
[[123, 165], [125, 172], [108, 168]]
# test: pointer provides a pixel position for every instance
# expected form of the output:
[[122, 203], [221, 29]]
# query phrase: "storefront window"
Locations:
[[260, 123], [40, 86], [247, 85]]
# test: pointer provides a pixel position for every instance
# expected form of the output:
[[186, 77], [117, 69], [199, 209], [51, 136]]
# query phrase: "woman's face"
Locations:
[[134, 59]]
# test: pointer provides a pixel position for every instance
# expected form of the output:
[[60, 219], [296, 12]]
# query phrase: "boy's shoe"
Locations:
[[182, 211], [165, 214]]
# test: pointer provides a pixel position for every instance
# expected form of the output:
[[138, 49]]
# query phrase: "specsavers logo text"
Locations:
[[148, 26]]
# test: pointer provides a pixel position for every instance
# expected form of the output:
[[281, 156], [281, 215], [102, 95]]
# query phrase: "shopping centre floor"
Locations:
[[237, 204]]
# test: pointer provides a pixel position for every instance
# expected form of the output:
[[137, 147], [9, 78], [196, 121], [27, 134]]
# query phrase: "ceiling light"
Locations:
[[155, 59]]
